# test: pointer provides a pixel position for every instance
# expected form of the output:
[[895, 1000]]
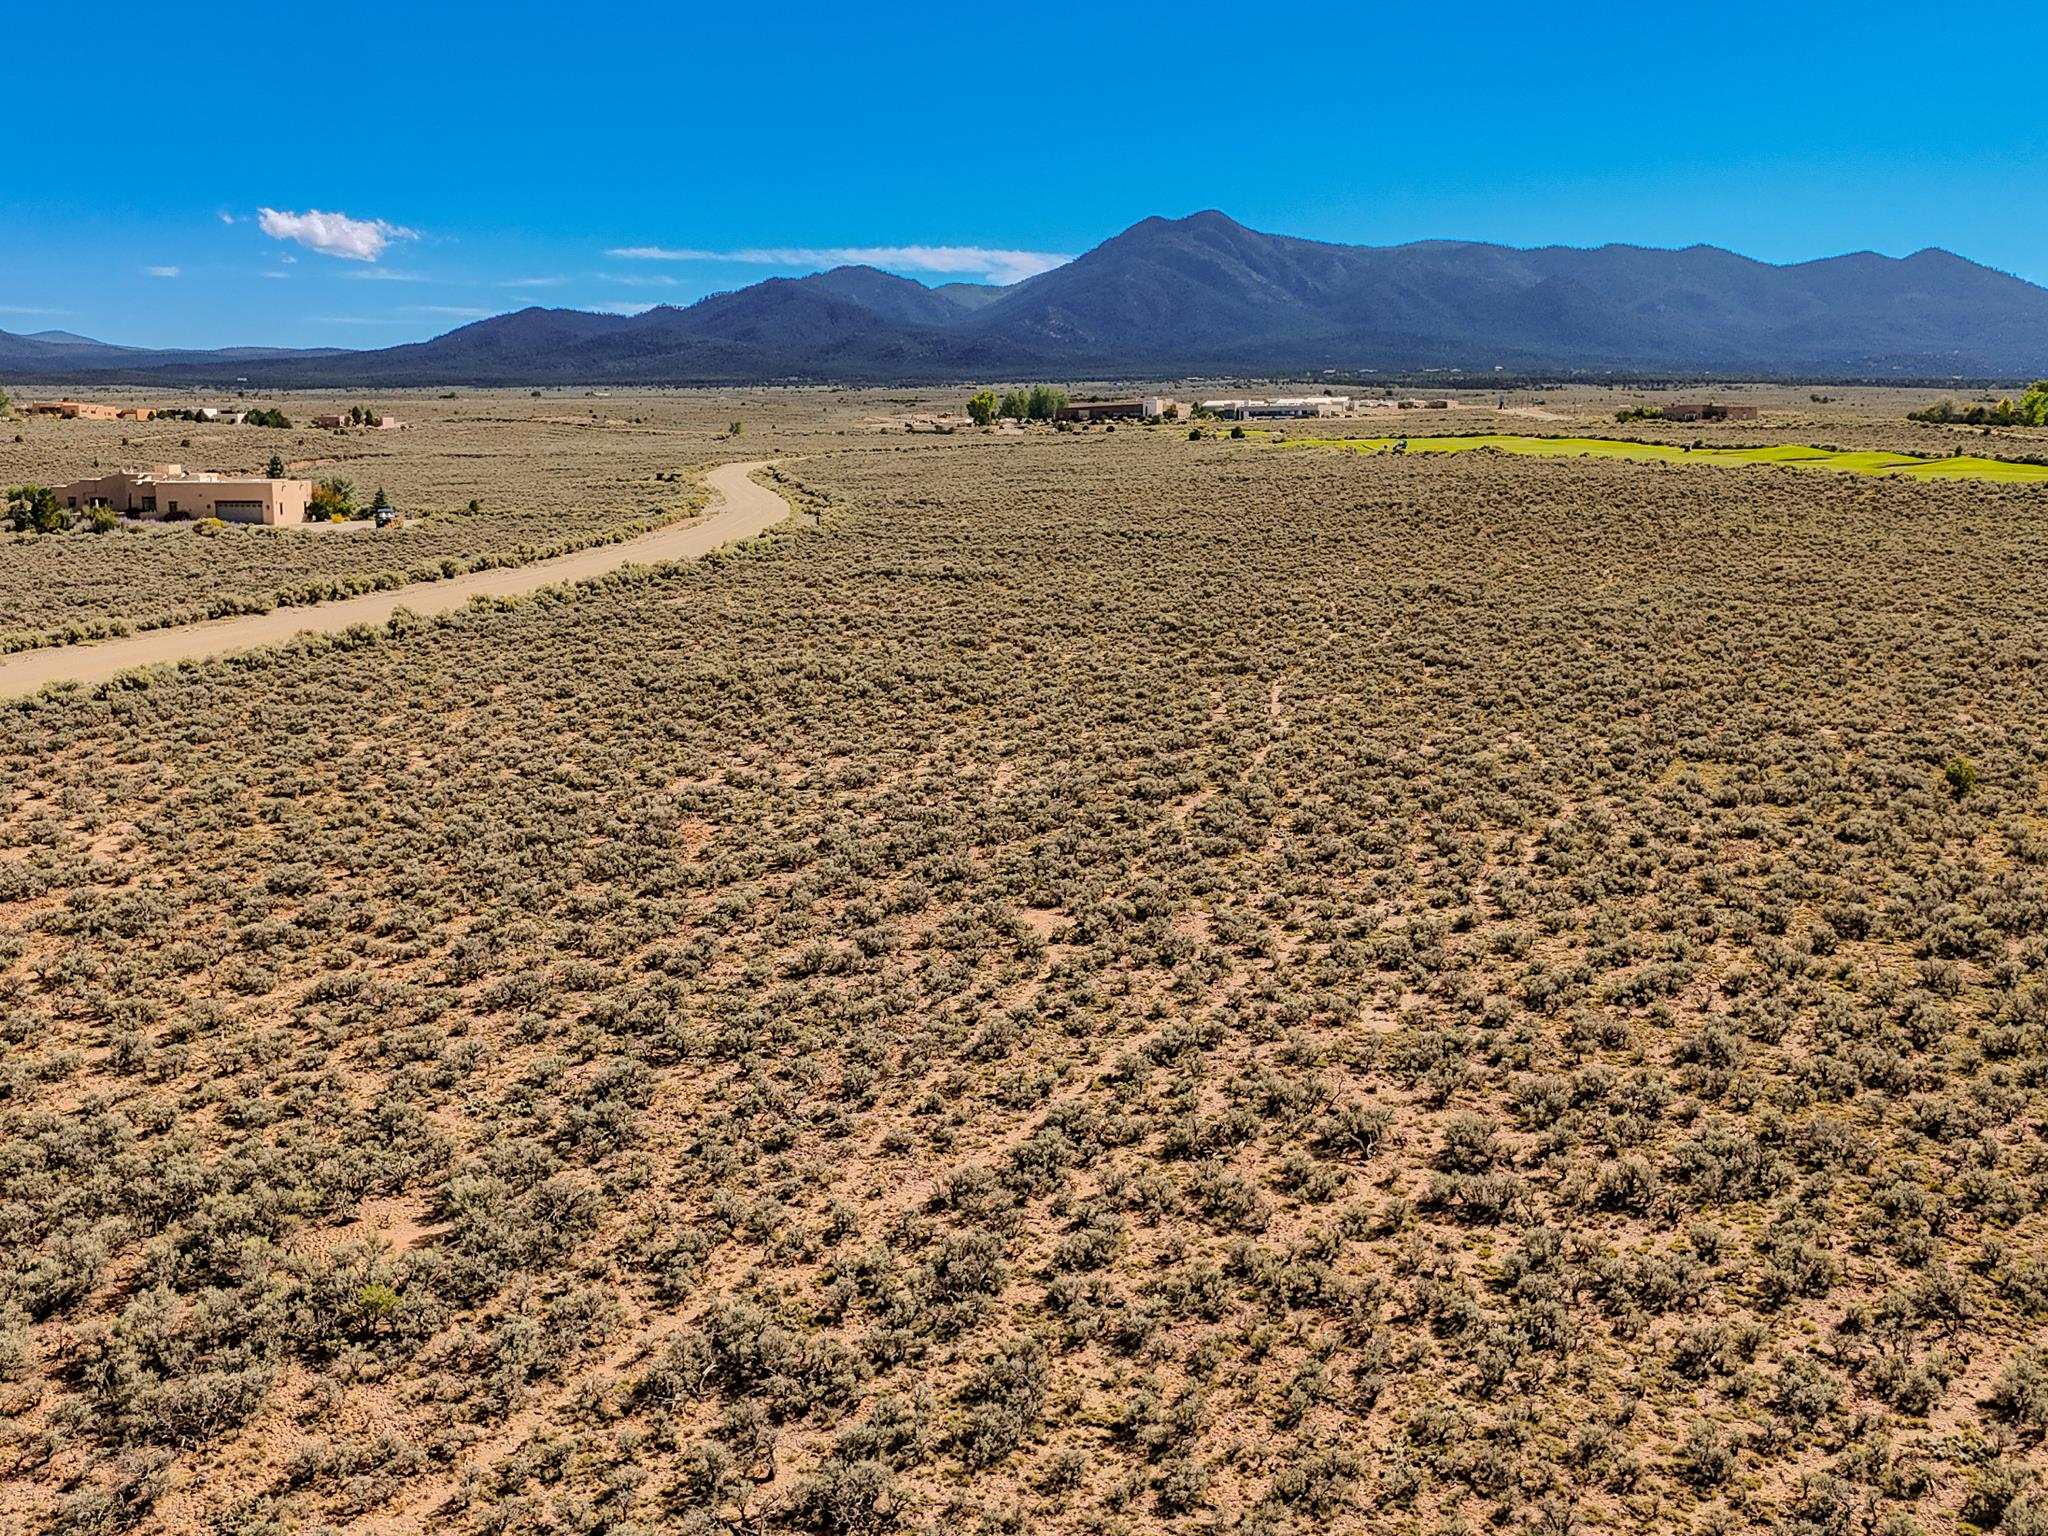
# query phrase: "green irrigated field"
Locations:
[[1798, 455]]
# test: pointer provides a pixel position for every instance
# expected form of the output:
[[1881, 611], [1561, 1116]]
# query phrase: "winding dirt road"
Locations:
[[742, 508]]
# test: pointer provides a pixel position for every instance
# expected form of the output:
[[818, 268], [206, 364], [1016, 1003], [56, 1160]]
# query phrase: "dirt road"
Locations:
[[740, 509]]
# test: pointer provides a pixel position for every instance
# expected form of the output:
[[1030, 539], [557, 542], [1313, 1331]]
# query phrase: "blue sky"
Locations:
[[476, 157]]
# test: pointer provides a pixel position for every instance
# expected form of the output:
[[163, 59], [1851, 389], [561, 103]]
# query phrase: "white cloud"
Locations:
[[533, 282], [228, 218], [27, 309], [612, 307], [279, 276], [384, 275], [953, 260], [333, 234], [459, 311], [160, 271], [357, 320]]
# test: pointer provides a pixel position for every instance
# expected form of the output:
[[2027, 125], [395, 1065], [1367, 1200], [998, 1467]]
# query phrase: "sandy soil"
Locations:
[[743, 509]]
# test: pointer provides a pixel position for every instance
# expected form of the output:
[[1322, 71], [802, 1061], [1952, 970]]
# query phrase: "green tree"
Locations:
[[379, 503], [2033, 407], [34, 509], [333, 498], [736, 429], [101, 518], [982, 408], [1015, 407], [1044, 402], [275, 469]]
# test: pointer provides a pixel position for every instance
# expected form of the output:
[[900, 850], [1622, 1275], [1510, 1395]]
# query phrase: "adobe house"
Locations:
[[75, 410], [167, 491]]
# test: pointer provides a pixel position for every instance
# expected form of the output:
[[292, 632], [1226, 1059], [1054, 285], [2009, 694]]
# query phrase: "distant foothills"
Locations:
[[1205, 295]]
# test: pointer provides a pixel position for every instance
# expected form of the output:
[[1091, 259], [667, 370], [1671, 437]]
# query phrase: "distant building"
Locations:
[[1272, 410], [383, 423], [168, 491], [1159, 407], [1708, 410], [76, 410], [1101, 410]]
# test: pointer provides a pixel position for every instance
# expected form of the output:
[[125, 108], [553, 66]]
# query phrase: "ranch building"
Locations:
[[168, 491]]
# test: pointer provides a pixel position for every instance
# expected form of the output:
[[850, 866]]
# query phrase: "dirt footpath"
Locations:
[[741, 508]]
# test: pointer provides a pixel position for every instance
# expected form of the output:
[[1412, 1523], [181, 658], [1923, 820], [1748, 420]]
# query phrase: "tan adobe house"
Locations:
[[86, 410], [168, 491], [75, 410]]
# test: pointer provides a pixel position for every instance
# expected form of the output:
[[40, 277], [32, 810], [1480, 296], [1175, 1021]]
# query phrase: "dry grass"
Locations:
[[1118, 985]]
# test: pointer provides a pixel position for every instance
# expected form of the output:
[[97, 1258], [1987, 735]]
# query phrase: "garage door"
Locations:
[[239, 511]]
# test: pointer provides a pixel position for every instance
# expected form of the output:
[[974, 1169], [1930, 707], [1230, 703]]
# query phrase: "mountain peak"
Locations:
[[1209, 221], [62, 339]]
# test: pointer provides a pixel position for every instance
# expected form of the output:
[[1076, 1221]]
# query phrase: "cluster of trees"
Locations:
[[1041, 402], [333, 498], [336, 497], [35, 509], [260, 417], [2031, 410]]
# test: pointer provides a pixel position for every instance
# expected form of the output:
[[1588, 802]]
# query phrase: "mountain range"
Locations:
[[1205, 295]]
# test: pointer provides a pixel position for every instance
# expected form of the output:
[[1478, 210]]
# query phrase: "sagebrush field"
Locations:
[[1114, 985]]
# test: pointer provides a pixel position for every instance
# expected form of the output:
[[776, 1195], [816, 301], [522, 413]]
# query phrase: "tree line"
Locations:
[[2031, 410], [1040, 402]]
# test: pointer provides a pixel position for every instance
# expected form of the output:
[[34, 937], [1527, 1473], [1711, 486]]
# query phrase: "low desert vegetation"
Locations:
[[61, 591], [1112, 985]]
